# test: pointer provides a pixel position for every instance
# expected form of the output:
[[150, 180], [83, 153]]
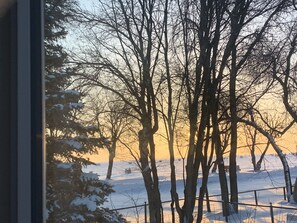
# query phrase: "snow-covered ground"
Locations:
[[130, 191]]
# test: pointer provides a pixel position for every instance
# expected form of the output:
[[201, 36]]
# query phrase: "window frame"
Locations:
[[22, 113]]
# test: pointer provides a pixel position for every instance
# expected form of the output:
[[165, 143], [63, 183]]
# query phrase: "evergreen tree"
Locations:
[[72, 195]]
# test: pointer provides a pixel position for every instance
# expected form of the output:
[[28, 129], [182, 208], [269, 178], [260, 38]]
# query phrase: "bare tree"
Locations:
[[285, 70], [122, 57], [217, 46], [252, 144], [127, 53], [170, 102], [112, 119], [277, 149], [273, 124], [277, 55]]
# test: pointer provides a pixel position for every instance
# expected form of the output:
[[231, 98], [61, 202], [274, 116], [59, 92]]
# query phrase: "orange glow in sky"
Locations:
[[288, 143]]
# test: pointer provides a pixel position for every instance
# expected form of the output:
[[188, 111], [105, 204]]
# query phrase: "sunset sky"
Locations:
[[288, 143]]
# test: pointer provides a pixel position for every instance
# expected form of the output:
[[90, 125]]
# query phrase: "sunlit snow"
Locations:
[[130, 191]]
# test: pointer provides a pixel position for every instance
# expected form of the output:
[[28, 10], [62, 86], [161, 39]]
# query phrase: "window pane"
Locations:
[[158, 98]]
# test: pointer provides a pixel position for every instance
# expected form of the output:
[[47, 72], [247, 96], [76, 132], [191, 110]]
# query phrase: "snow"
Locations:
[[78, 217], [50, 76], [130, 190], [59, 106], [91, 128], [73, 92], [89, 176], [65, 165], [90, 202], [94, 189], [73, 105], [74, 144], [81, 137]]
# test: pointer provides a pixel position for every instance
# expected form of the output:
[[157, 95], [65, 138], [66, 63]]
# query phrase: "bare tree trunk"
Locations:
[[110, 166], [253, 136], [222, 175], [206, 164], [215, 167], [149, 173], [190, 187], [170, 121], [259, 162], [233, 150], [295, 191], [110, 160], [253, 158], [285, 164], [220, 159], [173, 192], [202, 193], [194, 160]]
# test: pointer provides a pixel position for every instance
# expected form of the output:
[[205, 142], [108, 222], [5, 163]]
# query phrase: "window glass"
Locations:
[[153, 105]]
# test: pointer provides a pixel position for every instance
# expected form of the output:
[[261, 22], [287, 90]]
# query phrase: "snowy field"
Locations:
[[130, 191]]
